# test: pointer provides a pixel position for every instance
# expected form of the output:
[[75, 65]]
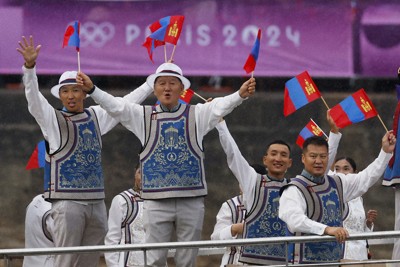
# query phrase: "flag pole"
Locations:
[[79, 63], [202, 98], [384, 126], [252, 74], [165, 53], [319, 128], [173, 52], [325, 102]]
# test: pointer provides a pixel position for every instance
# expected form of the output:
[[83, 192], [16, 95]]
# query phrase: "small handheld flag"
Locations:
[[353, 109], [71, 38], [311, 129], [37, 159], [251, 61], [299, 91], [170, 29]]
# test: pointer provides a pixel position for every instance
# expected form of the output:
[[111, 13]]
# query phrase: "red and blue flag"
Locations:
[[37, 159], [311, 129], [299, 91], [353, 109], [151, 43], [71, 36], [251, 61], [169, 29]]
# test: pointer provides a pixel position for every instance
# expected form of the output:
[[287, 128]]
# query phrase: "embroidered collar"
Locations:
[[317, 180], [164, 108], [275, 179]]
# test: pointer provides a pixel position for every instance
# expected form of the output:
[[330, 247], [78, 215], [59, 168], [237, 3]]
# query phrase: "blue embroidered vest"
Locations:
[[263, 221], [171, 160], [74, 171], [324, 205], [238, 212]]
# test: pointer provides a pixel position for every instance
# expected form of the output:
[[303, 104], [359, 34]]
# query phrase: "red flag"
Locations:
[[311, 129], [151, 43], [353, 109], [170, 29], [71, 36], [37, 159], [251, 61], [187, 95], [299, 91]]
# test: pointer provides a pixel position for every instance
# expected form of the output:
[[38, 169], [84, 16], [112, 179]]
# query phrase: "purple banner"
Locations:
[[216, 38]]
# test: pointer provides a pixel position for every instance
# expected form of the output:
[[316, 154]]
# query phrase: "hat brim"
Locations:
[[55, 90], [152, 78]]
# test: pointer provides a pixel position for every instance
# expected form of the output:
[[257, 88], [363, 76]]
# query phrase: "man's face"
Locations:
[[72, 97], [168, 89], [315, 160], [277, 160]]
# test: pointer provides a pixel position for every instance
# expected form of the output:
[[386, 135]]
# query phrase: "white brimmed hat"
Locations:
[[68, 77], [168, 69]]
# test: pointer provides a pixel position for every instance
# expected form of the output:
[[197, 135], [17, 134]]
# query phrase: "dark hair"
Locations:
[[259, 168], [315, 140], [278, 142], [350, 161]]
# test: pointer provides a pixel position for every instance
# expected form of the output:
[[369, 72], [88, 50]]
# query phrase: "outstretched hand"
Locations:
[[248, 88], [332, 124], [29, 51], [388, 142]]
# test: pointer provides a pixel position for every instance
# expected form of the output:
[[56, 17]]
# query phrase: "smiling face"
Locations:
[[72, 97], [315, 159], [277, 160], [168, 89]]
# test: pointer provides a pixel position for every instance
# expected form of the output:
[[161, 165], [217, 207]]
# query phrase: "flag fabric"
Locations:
[[151, 44], [251, 61], [391, 175], [37, 159], [169, 29], [311, 129], [299, 91], [71, 36], [353, 109]]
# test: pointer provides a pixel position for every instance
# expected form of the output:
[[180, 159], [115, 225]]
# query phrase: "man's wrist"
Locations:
[[30, 66], [92, 90]]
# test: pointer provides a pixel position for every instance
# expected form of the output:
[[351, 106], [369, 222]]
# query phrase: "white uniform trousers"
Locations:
[[162, 218]]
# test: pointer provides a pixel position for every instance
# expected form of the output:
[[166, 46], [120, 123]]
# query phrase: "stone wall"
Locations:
[[256, 122]]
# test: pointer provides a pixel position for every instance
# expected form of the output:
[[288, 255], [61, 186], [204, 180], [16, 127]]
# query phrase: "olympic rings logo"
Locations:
[[96, 34]]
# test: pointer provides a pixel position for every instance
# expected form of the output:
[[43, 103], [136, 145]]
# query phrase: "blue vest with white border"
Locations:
[[262, 221], [171, 160], [74, 171], [325, 205]]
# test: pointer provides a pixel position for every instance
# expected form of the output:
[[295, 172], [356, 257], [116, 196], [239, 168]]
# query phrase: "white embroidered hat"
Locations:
[[168, 69]]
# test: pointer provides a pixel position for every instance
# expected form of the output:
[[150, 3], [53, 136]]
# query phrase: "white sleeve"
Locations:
[[106, 121], [40, 109], [208, 114], [355, 185], [292, 210], [222, 228], [116, 215], [129, 114], [333, 144], [244, 173]]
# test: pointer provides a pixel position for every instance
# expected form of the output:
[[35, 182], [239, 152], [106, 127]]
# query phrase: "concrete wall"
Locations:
[[256, 122]]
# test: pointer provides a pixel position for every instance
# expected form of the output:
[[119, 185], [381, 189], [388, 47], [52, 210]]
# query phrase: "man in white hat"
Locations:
[[73, 173], [171, 134]]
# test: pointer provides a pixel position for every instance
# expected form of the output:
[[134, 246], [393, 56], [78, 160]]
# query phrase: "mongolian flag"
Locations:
[[299, 91], [169, 30], [353, 109], [151, 43], [71, 36], [251, 61], [37, 159], [311, 129]]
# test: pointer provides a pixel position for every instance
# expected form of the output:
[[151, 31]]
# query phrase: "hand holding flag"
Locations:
[[353, 109], [250, 64], [71, 38], [311, 129]]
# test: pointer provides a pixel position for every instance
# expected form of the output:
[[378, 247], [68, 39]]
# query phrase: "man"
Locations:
[[125, 225], [261, 194], [313, 202], [171, 134], [73, 174], [38, 232]]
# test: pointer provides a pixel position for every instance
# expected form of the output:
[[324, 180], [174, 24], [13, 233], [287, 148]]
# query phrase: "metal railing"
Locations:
[[206, 247]]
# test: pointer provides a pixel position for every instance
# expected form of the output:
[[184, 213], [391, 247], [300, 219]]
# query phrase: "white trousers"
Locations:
[[180, 216], [77, 224]]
